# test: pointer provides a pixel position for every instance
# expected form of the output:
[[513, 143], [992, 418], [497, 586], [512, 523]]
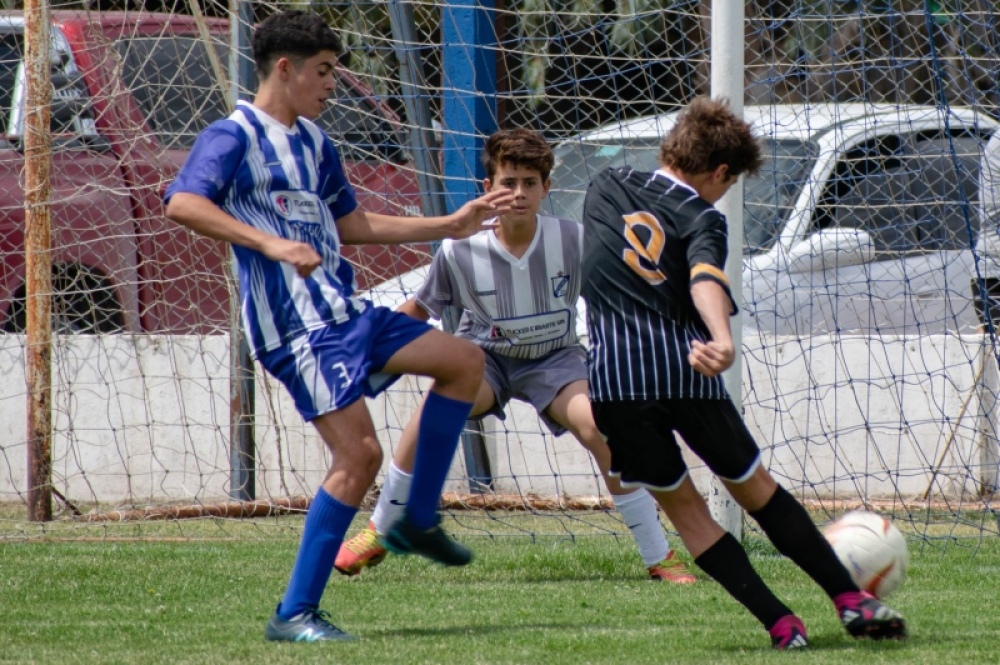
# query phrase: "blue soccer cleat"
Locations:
[[310, 626]]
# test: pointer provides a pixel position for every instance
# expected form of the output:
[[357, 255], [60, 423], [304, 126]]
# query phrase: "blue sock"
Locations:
[[441, 424], [326, 523]]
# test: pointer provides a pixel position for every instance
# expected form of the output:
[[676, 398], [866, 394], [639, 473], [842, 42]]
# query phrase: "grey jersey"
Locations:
[[518, 307]]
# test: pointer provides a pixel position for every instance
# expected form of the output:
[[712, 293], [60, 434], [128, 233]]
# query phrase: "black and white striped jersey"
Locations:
[[647, 238]]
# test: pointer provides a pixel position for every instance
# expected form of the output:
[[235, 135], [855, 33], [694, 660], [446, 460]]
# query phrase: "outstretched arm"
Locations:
[[204, 217], [363, 228]]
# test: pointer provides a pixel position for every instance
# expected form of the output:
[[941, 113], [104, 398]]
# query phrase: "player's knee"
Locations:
[[477, 361], [459, 370], [469, 364], [368, 457]]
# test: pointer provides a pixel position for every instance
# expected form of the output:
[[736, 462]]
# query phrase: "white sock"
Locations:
[[392, 500], [638, 509]]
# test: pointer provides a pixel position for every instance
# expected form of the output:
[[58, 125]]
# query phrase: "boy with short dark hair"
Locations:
[[658, 308], [270, 182], [517, 286]]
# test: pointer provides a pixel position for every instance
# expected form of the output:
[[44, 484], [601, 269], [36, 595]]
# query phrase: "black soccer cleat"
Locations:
[[863, 615], [433, 543]]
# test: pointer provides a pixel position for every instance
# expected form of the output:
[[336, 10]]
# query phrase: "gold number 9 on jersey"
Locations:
[[650, 250]]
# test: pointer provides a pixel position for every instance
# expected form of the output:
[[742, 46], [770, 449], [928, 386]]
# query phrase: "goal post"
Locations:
[[727, 82]]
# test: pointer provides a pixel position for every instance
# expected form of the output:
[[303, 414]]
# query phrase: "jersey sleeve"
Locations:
[[335, 189], [707, 249], [212, 162], [438, 290]]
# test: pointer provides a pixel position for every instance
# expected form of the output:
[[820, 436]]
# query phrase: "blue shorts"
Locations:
[[330, 368]]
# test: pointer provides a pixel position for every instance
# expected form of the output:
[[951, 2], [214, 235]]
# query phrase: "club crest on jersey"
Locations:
[[496, 332], [281, 203], [560, 285]]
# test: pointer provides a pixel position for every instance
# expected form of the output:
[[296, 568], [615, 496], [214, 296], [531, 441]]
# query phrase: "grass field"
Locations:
[[202, 593]]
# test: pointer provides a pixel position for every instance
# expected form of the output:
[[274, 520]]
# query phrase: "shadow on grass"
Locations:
[[476, 630]]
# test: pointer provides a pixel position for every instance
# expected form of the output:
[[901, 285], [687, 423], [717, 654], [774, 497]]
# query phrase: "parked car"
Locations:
[[863, 218], [131, 91]]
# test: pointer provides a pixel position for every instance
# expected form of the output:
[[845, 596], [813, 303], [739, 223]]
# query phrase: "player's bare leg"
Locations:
[[571, 409], [456, 365], [406, 449], [356, 457], [687, 511], [350, 436], [364, 550]]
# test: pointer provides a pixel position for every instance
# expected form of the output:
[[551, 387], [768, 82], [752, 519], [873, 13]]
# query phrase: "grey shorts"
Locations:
[[536, 382]]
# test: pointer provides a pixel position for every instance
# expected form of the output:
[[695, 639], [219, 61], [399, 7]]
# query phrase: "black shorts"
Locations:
[[644, 448]]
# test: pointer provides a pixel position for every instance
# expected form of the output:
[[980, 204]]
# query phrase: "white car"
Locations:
[[861, 220]]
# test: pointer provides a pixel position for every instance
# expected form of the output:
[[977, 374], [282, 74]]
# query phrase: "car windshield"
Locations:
[[173, 82], [768, 196]]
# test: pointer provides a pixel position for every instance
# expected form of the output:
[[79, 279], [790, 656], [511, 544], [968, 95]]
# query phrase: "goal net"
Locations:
[[870, 355]]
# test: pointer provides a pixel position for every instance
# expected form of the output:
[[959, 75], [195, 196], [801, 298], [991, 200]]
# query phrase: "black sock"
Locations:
[[727, 563], [788, 525]]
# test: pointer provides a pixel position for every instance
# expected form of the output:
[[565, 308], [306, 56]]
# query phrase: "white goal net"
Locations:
[[869, 341]]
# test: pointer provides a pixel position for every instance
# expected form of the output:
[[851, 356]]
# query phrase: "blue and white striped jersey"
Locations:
[[289, 182]]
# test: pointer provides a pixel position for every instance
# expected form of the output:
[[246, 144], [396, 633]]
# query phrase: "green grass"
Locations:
[[201, 599]]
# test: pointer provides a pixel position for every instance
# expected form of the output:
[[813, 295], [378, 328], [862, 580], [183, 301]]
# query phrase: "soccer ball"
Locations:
[[872, 549]]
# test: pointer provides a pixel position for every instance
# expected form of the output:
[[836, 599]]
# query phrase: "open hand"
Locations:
[[481, 213]]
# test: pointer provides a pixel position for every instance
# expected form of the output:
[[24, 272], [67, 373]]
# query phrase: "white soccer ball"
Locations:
[[872, 549]]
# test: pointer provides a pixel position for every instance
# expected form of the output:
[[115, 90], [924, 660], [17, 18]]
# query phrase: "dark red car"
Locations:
[[131, 91]]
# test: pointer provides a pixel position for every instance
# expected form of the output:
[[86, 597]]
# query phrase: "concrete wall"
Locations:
[[144, 420]]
